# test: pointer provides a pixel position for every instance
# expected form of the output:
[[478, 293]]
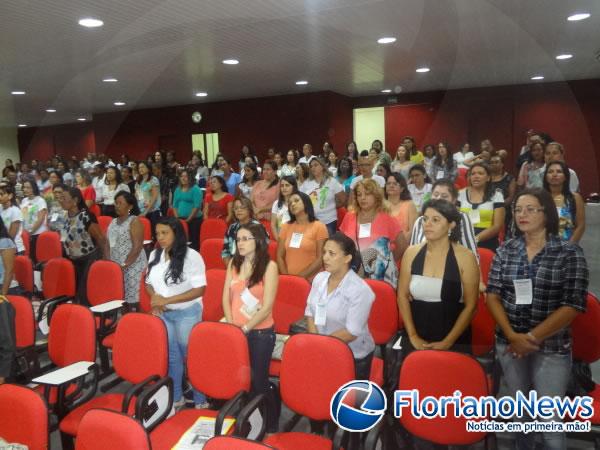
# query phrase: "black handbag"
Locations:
[[7, 338]]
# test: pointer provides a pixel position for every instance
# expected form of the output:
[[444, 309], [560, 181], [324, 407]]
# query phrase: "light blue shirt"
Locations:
[[232, 182], [5, 243]]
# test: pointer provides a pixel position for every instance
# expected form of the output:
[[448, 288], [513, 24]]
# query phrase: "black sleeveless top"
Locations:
[[437, 303]]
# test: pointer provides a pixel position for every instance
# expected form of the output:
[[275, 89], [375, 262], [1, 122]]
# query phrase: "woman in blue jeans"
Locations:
[[537, 286], [175, 282]]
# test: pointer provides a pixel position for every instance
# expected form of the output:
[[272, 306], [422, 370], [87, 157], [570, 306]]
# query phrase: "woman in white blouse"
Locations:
[[113, 183], [340, 302], [176, 281]]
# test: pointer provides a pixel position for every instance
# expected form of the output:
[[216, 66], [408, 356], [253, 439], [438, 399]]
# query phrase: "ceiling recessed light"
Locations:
[[386, 91], [386, 40], [231, 62], [82, 119], [50, 110], [423, 69], [302, 82], [578, 16], [18, 92], [537, 77], [90, 22], [110, 80], [201, 94], [564, 56], [119, 103], [22, 125]]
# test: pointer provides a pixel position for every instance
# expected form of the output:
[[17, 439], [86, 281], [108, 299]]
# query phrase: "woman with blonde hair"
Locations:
[[369, 224]]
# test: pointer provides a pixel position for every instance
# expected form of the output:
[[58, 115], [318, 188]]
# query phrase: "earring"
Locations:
[[449, 232]]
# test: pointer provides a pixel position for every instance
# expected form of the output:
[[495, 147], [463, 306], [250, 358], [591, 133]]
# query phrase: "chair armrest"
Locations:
[[107, 307], [46, 310], [230, 409], [65, 374], [154, 404], [135, 390], [259, 402], [393, 358]]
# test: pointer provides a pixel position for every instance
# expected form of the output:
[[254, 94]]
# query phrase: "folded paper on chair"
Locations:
[[202, 430]]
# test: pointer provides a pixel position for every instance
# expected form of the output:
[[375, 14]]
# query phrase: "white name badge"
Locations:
[[296, 240], [364, 230], [523, 292], [440, 174], [474, 216], [321, 315], [54, 217], [249, 300]]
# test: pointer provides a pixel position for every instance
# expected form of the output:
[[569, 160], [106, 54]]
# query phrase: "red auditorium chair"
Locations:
[[212, 300], [486, 257], [212, 228], [144, 301], [58, 286], [95, 210], [72, 339], [586, 351], [147, 229], [439, 373], [104, 222], [102, 429], [105, 294], [26, 240], [48, 246], [313, 368], [483, 324], [273, 250], [186, 228], [289, 306], [267, 225], [218, 364], [145, 370], [210, 249], [23, 268], [27, 363], [384, 323], [23, 417], [232, 442]]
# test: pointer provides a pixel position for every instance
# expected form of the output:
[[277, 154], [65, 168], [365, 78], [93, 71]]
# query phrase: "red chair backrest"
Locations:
[[290, 302], [144, 300], [210, 249], [384, 317], [23, 417], [267, 225], [140, 348], [461, 179], [26, 242], [101, 429], [147, 227], [95, 210], [313, 368], [170, 212], [104, 222], [483, 328], [72, 335], [48, 246], [98, 289], [186, 228], [24, 321], [232, 442], [584, 329], [441, 373], [486, 257], [273, 250], [212, 228], [24, 272], [218, 360], [212, 301], [58, 278]]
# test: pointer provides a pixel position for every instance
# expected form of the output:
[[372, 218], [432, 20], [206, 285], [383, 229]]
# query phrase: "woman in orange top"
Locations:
[[248, 297], [301, 240]]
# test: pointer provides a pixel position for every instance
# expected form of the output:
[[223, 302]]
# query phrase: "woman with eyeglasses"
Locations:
[[569, 205], [248, 297], [243, 214], [537, 286]]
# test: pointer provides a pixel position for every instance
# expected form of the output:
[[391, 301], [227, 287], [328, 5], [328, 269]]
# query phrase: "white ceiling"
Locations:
[[163, 51]]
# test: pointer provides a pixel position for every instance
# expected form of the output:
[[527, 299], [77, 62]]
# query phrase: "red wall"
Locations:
[[44, 142], [569, 112]]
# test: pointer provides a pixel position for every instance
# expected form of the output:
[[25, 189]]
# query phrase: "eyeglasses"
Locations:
[[529, 210], [244, 239]]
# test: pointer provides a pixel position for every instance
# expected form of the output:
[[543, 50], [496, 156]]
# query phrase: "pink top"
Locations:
[[402, 216], [383, 226], [238, 308], [263, 197]]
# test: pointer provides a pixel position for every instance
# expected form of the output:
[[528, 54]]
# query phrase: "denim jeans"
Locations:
[[331, 227], [548, 374], [179, 324], [260, 345]]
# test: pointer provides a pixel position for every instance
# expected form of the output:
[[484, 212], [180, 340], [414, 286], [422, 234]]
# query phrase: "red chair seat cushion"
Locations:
[[296, 440], [54, 392], [109, 341], [274, 368], [168, 433], [70, 423], [376, 375]]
